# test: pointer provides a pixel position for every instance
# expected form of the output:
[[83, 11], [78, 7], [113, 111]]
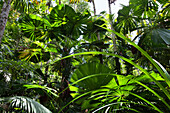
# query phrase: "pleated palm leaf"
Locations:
[[24, 104]]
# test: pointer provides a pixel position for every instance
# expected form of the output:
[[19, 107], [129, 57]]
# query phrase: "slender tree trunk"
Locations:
[[98, 33], [111, 23], [118, 66], [94, 7], [4, 17], [100, 56], [59, 2]]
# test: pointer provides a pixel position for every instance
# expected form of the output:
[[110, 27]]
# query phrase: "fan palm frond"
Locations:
[[26, 104]]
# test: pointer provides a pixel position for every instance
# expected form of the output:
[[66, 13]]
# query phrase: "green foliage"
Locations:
[[57, 59], [25, 104], [90, 69], [148, 76], [161, 36], [71, 23], [125, 21]]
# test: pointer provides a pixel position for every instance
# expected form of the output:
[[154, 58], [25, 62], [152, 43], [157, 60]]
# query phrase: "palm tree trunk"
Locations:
[[98, 34], [111, 22], [94, 7], [4, 17], [100, 56], [59, 2], [113, 37]]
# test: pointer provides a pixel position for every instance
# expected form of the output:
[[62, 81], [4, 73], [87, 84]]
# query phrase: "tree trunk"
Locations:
[[4, 17], [111, 23], [100, 56], [59, 2], [94, 7], [113, 36]]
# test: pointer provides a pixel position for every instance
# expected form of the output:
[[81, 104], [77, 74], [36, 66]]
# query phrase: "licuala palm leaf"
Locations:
[[21, 103], [33, 26], [143, 8], [72, 23], [155, 42], [126, 21], [89, 69], [161, 36]]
